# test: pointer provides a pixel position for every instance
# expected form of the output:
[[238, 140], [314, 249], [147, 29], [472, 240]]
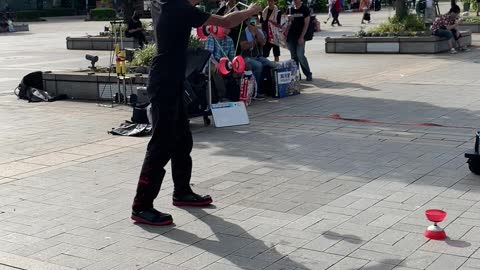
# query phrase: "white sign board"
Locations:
[[284, 77], [230, 114]]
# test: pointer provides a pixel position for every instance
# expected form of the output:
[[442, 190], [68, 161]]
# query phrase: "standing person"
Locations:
[[135, 30], [171, 138], [273, 15], [228, 7], [299, 17], [335, 10], [365, 6]]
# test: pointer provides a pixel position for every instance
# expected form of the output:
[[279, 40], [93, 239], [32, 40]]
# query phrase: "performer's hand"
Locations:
[[254, 8]]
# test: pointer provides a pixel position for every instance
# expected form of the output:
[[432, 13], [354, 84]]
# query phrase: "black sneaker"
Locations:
[[152, 217], [192, 199], [309, 78]]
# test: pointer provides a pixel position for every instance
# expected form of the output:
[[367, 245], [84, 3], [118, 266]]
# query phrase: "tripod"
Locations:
[[118, 53]]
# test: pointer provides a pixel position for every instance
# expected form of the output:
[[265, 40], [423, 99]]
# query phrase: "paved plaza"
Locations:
[[293, 190]]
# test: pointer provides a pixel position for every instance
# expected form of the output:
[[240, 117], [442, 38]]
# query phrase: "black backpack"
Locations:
[[32, 80], [31, 89]]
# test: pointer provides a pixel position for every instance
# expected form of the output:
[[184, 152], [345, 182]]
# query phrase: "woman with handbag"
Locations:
[[271, 15], [365, 6]]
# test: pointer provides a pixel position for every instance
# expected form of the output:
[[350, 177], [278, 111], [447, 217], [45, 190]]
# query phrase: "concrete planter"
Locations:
[[21, 27], [472, 27], [407, 45], [99, 43], [97, 86]]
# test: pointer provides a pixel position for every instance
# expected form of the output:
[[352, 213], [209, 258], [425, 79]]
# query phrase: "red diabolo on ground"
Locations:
[[434, 231]]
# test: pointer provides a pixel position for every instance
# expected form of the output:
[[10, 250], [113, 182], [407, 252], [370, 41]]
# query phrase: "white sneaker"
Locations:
[[453, 51]]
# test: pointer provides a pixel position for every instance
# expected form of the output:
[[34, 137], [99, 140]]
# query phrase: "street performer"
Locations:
[[171, 137]]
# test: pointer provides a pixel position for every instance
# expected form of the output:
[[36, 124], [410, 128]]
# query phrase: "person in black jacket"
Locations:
[[171, 139], [135, 30]]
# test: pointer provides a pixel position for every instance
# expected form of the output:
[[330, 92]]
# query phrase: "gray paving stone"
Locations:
[[420, 259], [278, 183], [348, 263], [447, 262]]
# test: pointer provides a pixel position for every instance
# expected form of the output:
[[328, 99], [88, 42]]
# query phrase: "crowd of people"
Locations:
[[6, 19], [251, 41]]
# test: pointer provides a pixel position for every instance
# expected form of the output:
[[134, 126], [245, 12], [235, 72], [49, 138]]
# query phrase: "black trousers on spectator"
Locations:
[[140, 37], [171, 141], [268, 47], [335, 14]]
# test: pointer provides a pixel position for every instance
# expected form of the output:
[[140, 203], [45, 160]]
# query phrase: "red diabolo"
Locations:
[[238, 64], [224, 66], [217, 31], [434, 231]]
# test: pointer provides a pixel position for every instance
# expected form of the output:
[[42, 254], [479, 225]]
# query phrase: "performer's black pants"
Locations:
[[171, 141]]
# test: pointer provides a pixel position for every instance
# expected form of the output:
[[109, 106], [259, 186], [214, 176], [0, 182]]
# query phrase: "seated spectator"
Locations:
[[135, 30], [446, 26], [252, 41], [219, 47]]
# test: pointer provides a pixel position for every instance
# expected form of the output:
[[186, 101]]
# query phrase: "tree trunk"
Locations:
[[401, 9], [128, 9]]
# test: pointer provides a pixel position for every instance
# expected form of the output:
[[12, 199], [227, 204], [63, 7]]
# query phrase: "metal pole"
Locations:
[[209, 94]]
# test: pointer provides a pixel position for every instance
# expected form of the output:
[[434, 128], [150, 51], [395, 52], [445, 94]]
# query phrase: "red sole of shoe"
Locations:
[[205, 203], [144, 221]]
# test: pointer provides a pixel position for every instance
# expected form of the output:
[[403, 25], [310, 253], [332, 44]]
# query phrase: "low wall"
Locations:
[[472, 27], [21, 27], [99, 43], [97, 86], [407, 45]]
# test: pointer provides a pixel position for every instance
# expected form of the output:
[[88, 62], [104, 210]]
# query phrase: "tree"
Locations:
[[128, 9], [401, 9]]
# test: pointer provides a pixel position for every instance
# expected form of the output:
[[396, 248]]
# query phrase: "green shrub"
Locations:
[[34, 15], [472, 20], [411, 23], [320, 5], [57, 12], [195, 42], [473, 4], [28, 15], [144, 57], [102, 14], [281, 4]]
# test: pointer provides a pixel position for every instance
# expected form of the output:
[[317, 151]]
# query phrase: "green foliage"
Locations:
[[33, 15], [281, 4], [145, 56], [407, 26], [473, 4], [320, 5], [106, 2], [471, 20], [103, 14], [28, 15], [195, 42]]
